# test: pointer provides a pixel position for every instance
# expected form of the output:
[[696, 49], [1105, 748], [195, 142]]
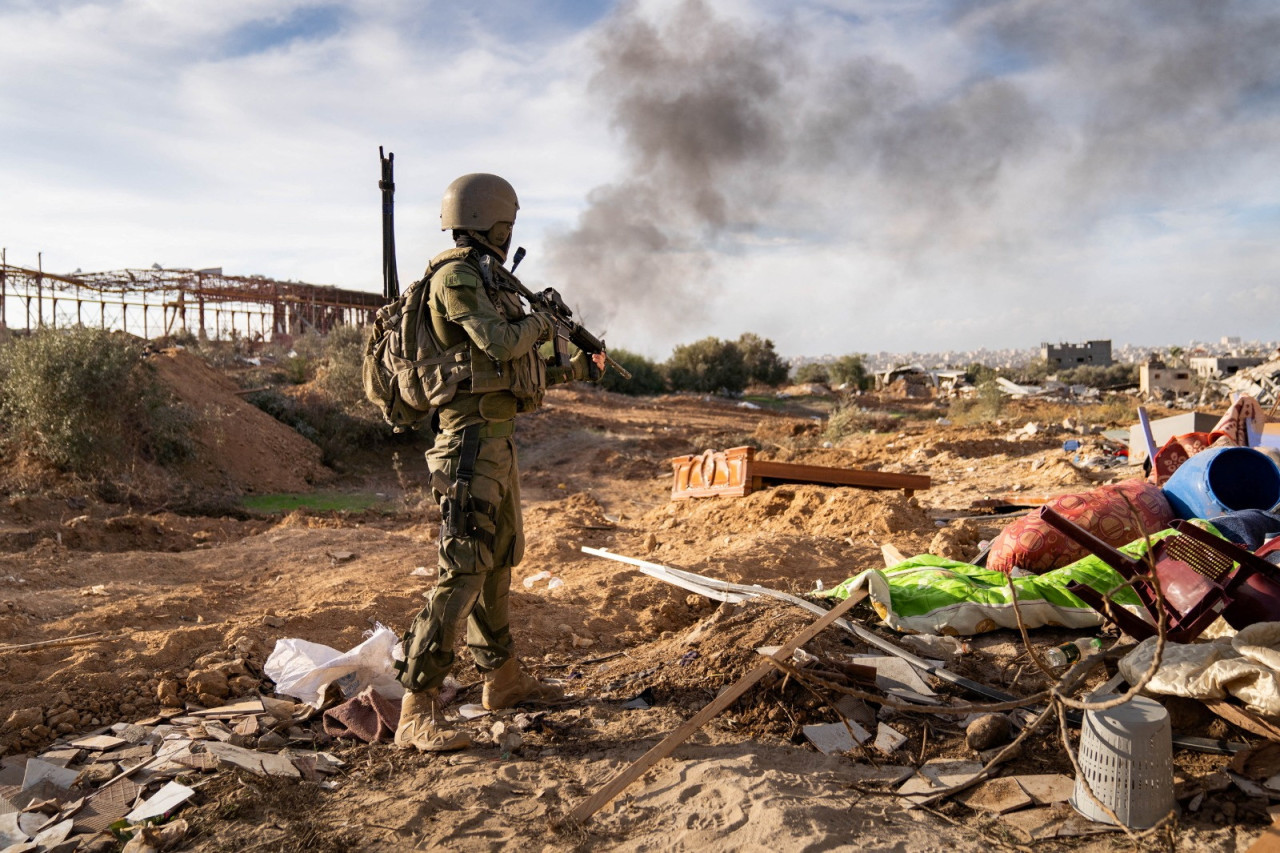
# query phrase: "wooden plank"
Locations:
[[1243, 718], [584, 810], [821, 475], [736, 472]]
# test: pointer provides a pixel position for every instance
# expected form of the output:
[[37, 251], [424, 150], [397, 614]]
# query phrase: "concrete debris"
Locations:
[[69, 796]]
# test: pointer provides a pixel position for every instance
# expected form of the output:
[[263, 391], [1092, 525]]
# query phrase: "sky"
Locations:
[[835, 175]]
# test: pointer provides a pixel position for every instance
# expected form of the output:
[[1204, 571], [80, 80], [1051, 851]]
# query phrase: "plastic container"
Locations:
[[1068, 653], [1126, 755], [1221, 480]]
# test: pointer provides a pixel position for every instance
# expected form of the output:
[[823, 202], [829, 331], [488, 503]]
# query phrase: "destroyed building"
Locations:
[[1063, 356]]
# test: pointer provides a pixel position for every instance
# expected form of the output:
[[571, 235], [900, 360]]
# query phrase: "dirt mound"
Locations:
[[240, 448], [813, 510]]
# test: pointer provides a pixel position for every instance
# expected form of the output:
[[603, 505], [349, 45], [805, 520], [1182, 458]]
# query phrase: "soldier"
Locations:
[[474, 477]]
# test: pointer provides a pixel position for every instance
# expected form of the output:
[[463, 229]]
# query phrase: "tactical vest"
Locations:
[[525, 377]]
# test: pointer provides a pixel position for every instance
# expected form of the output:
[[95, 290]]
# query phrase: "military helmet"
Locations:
[[476, 202]]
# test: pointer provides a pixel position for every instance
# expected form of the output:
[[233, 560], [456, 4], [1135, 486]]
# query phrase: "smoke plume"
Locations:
[[1038, 120]]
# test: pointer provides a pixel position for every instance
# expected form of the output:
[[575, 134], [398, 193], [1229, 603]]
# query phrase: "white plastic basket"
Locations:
[[1126, 754]]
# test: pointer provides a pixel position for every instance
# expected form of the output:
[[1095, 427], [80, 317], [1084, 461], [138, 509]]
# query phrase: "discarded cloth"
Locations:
[[1179, 449], [932, 595], [369, 717], [1116, 514], [304, 670], [1248, 528], [1246, 666], [1244, 413]]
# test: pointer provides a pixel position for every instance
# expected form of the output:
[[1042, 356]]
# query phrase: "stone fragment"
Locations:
[[167, 693], [987, 731], [208, 682], [23, 718]]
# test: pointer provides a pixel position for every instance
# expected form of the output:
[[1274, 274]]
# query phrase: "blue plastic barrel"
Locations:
[[1221, 480]]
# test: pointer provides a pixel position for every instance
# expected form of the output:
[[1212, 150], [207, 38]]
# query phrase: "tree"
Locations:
[[978, 373], [646, 377], [813, 372], [709, 365], [763, 363], [849, 370]]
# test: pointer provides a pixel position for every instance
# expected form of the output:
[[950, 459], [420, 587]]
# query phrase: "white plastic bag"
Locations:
[[304, 670]]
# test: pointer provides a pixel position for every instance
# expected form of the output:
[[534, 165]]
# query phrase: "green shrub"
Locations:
[[646, 376], [84, 400], [341, 376], [849, 419], [985, 405], [763, 364], [709, 365], [1111, 376], [849, 370], [812, 373], [322, 421]]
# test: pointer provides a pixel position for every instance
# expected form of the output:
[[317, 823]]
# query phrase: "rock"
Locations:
[[988, 731], [271, 740], [242, 685], [167, 693], [273, 621], [23, 718], [209, 682], [66, 718], [650, 543], [209, 700]]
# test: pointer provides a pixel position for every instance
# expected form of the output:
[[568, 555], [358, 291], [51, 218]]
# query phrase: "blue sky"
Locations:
[[837, 175]]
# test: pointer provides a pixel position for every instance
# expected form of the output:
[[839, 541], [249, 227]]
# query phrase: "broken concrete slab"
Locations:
[[99, 743], [162, 802], [134, 734], [1047, 788], [888, 739], [10, 832], [260, 763], [895, 674], [53, 835], [235, 709], [998, 796], [38, 771], [833, 738], [107, 805], [945, 773], [1056, 821]]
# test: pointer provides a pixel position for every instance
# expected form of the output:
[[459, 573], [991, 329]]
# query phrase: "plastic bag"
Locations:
[[304, 670]]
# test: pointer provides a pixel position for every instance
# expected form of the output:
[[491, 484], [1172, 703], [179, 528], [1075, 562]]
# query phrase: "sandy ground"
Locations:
[[168, 593]]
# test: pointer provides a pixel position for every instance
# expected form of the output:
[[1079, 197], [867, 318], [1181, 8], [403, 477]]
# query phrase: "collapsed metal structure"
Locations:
[[157, 302]]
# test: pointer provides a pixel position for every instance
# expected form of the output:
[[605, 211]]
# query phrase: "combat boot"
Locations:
[[510, 685], [422, 725]]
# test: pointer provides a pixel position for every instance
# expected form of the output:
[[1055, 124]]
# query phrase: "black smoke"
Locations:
[[742, 132]]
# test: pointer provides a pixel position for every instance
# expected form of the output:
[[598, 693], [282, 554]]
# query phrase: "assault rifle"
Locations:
[[568, 331], [390, 278]]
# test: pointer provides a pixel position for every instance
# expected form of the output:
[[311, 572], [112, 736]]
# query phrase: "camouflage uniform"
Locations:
[[508, 376]]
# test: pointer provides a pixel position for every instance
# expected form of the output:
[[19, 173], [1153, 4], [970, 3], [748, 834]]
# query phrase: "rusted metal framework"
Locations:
[[157, 302]]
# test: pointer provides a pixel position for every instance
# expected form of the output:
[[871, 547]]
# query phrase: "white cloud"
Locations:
[[934, 176]]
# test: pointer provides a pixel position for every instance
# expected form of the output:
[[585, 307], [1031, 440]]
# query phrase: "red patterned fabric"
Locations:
[[1235, 423], [1116, 514], [1179, 449]]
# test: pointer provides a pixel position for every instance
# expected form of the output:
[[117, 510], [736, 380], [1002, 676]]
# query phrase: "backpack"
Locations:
[[407, 372]]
